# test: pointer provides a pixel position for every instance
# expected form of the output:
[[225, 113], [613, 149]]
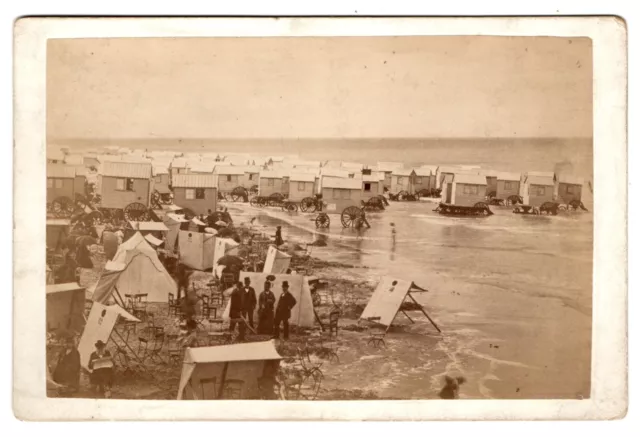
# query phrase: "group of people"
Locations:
[[272, 312], [66, 374]]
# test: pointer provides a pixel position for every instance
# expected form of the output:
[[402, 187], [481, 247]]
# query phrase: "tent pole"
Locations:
[[424, 312], [407, 316], [222, 379], [131, 350], [121, 299]]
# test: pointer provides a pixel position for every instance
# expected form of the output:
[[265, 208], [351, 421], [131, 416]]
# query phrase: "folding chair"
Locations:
[[334, 316], [174, 308]]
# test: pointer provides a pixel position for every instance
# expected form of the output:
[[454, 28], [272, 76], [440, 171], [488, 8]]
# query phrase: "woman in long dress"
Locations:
[[266, 302]]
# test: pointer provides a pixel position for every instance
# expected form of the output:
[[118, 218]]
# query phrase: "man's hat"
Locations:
[[285, 284], [100, 343]]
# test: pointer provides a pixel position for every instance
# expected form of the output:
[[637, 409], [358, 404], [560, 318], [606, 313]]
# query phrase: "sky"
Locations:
[[341, 87]]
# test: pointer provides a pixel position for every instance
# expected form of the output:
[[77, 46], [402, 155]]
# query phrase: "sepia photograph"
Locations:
[[320, 217]]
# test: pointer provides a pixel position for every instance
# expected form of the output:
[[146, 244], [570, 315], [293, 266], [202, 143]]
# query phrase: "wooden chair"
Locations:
[[227, 281], [207, 308], [174, 307], [334, 316]]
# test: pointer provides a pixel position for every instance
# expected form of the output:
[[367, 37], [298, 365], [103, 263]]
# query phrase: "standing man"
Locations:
[[279, 240], [236, 308], [283, 311], [249, 301]]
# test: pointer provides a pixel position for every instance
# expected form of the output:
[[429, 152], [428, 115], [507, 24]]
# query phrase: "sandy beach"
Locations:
[[509, 343]]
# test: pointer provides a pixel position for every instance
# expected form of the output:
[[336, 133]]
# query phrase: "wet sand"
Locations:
[[526, 343]]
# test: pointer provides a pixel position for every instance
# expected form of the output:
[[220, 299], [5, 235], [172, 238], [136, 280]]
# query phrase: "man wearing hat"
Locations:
[[101, 378], [286, 301]]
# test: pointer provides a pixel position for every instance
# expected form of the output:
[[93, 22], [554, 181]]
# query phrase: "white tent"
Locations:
[[135, 269], [224, 246], [102, 319], [196, 249], [301, 314], [173, 223], [207, 371], [276, 262], [386, 301]]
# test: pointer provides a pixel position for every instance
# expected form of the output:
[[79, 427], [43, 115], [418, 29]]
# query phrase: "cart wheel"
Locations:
[[322, 221], [253, 202], [350, 216], [291, 207]]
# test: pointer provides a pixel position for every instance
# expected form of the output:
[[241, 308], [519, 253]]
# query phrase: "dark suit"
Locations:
[[236, 307], [283, 313], [249, 303]]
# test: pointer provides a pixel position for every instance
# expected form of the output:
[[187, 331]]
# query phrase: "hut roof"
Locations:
[[61, 171], [55, 154], [402, 171], [302, 177], [159, 169], [570, 179], [272, 174], [334, 172], [179, 163], [136, 170], [540, 180], [229, 170], [546, 174], [195, 181], [201, 167], [507, 176], [344, 183], [471, 179]]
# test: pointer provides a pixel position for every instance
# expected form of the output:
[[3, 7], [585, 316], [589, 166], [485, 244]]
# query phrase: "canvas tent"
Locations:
[[276, 262], [100, 325], [173, 223], [65, 307], [206, 371], [223, 246], [155, 242], [196, 249], [387, 299], [135, 269], [302, 314]]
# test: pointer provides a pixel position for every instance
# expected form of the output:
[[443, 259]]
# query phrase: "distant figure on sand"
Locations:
[[451, 387], [266, 302], [283, 311], [279, 240]]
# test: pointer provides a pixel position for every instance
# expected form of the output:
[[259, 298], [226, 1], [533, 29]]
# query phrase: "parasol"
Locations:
[[229, 260]]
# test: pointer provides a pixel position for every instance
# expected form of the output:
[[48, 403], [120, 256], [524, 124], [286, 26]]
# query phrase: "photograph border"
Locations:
[[609, 397]]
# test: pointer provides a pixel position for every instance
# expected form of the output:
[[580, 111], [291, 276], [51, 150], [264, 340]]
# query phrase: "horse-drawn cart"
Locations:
[[480, 209]]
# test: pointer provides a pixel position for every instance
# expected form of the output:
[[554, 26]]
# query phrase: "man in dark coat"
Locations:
[[279, 241], [249, 301], [67, 371], [283, 311], [236, 308]]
